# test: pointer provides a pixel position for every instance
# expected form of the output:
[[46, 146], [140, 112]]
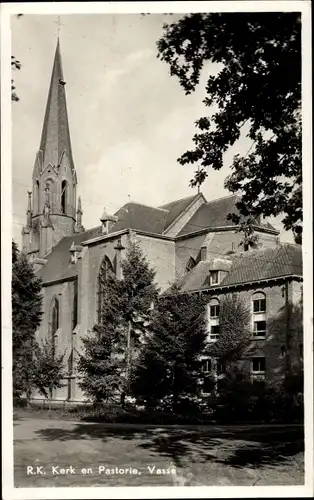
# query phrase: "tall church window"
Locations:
[[37, 197], [54, 322], [106, 269], [74, 200], [64, 196]]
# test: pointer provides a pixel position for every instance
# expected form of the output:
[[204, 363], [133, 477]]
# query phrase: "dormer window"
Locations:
[[64, 195], [214, 277]]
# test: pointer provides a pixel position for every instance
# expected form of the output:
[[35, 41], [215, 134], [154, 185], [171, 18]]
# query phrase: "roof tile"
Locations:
[[214, 214], [283, 260]]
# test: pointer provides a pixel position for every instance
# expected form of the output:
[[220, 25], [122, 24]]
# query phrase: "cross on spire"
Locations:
[[59, 24]]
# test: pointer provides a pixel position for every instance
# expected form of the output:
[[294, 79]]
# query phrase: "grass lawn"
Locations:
[[207, 456]]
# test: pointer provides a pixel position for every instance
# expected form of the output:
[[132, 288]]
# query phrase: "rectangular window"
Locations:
[[259, 305], [258, 365], [214, 277], [214, 311], [259, 329], [206, 376], [214, 332]]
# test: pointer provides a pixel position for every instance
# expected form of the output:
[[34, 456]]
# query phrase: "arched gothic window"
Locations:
[[106, 268], [64, 196], [54, 321], [74, 200], [37, 197]]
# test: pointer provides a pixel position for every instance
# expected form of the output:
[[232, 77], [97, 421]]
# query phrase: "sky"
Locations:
[[129, 119]]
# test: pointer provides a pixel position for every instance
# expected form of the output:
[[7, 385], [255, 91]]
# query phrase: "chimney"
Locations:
[[107, 221], [204, 253], [75, 250]]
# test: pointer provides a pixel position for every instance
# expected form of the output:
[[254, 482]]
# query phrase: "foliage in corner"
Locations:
[[253, 62], [15, 64]]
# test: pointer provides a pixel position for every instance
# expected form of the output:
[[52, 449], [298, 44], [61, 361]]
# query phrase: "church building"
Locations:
[[189, 239]]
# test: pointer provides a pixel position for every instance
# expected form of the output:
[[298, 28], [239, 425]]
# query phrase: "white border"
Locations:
[[56, 8]]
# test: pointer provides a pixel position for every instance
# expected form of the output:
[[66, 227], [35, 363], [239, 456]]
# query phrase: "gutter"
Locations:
[[104, 237], [224, 228], [247, 283], [59, 280], [110, 236]]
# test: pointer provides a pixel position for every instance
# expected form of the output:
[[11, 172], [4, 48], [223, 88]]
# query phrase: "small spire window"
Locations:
[[37, 197], [64, 196]]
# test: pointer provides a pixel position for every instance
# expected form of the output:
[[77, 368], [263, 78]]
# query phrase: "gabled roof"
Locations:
[[258, 265], [175, 208], [55, 136], [214, 214], [140, 217]]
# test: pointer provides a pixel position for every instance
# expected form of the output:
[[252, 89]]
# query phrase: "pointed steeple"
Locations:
[[55, 138], [79, 206], [78, 226]]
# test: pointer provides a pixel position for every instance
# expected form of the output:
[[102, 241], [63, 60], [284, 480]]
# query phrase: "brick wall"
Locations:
[[160, 254], [275, 347], [64, 292]]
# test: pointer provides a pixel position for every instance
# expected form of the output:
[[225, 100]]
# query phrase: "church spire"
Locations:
[[55, 138], [54, 177], [79, 226]]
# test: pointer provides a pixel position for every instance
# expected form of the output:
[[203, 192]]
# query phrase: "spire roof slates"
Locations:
[[55, 136]]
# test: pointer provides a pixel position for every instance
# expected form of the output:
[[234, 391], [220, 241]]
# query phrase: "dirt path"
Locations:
[[109, 455]]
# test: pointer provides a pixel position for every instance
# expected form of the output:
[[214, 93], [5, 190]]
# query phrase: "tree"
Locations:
[[26, 317], [48, 369], [15, 64], [169, 365], [234, 330], [105, 364], [257, 90]]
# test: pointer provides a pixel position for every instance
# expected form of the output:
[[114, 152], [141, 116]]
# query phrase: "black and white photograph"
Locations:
[[156, 226]]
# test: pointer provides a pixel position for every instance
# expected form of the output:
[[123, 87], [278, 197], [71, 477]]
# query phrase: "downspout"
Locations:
[[288, 332]]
